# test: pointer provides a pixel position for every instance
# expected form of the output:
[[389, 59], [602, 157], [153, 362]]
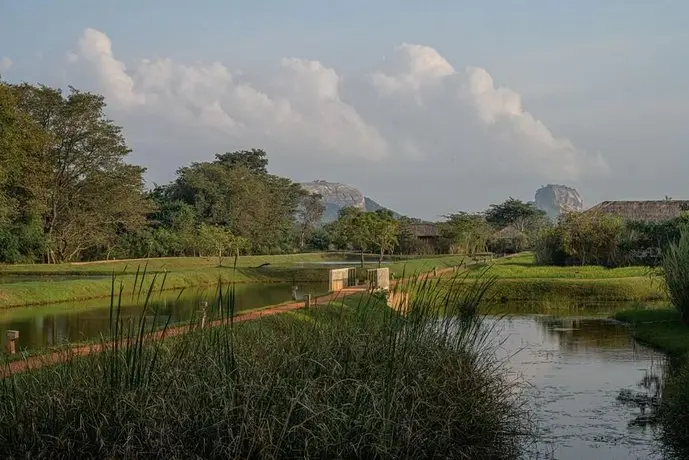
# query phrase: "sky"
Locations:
[[427, 107]]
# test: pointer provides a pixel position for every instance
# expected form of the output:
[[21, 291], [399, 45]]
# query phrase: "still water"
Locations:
[[50, 325], [573, 369]]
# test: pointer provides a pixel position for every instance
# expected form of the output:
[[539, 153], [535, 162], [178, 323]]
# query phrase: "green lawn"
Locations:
[[163, 264], [523, 266], [660, 328], [568, 289]]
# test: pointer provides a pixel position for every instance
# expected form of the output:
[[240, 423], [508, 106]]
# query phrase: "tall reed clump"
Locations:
[[675, 264], [354, 379]]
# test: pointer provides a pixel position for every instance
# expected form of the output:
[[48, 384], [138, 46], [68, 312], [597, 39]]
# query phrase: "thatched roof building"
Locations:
[[508, 233], [649, 211], [424, 231]]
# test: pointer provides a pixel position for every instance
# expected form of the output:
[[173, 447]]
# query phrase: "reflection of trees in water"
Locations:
[[50, 329], [585, 335]]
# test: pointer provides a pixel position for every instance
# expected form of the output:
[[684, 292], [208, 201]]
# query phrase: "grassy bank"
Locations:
[[520, 279], [659, 328], [178, 273], [345, 381], [662, 329]]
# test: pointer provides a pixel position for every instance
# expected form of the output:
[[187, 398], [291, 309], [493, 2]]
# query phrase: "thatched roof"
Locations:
[[654, 211], [424, 230]]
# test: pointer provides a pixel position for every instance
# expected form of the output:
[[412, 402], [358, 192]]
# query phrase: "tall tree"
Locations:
[[522, 216], [23, 181], [354, 227], [384, 232], [309, 214], [92, 192], [235, 191], [465, 232]]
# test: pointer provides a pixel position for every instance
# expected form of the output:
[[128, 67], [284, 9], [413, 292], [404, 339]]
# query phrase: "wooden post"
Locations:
[[12, 337], [435, 271], [307, 300]]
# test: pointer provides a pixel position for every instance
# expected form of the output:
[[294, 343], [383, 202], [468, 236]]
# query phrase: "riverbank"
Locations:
[[663, 330], [659, 328], [518, 278], [181, 273], [323, 383]]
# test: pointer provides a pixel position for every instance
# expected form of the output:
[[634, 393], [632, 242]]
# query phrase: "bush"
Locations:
[[352, 381], [549, 249], [675, 266]]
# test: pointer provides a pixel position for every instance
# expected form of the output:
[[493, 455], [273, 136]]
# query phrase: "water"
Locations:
[[574, 369], [50, 325]]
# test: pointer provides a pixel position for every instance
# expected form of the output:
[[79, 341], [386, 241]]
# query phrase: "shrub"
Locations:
[[675, 266]]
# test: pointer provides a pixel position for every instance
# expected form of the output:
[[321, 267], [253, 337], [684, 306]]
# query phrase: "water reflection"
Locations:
[[57, 324], [575, 368]]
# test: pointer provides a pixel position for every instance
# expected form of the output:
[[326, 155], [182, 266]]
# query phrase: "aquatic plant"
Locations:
[[675, 266], [354, 379]]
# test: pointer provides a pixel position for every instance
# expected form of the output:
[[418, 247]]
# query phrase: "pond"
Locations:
[[574, 368], [50, 325]]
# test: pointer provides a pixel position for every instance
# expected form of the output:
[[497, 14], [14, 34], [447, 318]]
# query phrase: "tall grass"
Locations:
[[354, 379], [675, 264]]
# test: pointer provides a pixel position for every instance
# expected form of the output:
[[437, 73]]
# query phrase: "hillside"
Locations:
[[337, 196]]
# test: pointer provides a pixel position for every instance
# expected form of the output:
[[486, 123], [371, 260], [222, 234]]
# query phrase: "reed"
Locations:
[[354, 379]]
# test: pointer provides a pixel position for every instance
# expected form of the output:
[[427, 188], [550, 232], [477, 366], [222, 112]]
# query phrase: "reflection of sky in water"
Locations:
[[576, 367]]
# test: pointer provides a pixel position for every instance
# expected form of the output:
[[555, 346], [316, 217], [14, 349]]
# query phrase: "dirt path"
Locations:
[[38, 361]]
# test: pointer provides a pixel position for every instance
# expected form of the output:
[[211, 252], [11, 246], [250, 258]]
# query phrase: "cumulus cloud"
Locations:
[[302, 109], [416, 109], [5, 63]]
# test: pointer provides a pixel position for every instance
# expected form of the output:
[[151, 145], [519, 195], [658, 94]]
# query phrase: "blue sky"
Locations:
[[607, 76]]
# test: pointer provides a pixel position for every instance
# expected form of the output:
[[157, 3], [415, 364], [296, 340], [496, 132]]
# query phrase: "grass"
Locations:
[[520, 279], [660, 328], [179, 273], [353, 380], [582, 290], [524, 266]]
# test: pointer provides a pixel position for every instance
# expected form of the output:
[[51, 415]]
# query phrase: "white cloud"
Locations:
[[417, 112], [5, 63]]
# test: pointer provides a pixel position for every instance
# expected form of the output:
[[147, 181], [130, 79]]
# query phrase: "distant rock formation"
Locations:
[[556, 199], [337, 196]]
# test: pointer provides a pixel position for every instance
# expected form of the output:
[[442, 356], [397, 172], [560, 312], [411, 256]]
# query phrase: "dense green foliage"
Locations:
[[352, 381], [365, 231], [589, 238], [675, 264], [67, 193]]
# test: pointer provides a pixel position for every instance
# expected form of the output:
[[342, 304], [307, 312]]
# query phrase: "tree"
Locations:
[[591, 238], [520, 215], [466, 233], [235, 191], [92, 194], [23, 181], [309, 214], [216, 239], [354, 227], [384, 232]]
